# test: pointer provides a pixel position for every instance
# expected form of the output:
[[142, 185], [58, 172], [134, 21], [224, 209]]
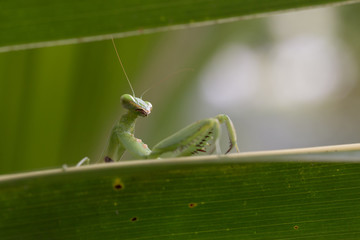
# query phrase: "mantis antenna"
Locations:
[[144, 92], [122, 66]]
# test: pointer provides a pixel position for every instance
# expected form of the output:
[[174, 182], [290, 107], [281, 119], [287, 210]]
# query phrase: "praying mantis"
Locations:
[[199, 137]]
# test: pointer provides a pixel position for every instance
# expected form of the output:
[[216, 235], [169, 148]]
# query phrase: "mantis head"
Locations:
[[133, 104], [136, 105]]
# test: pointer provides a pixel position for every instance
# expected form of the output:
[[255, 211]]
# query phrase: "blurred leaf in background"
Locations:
[[296, 89], [289, 80]]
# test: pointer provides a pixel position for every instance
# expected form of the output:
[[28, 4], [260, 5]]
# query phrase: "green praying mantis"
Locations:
[[200, 137]]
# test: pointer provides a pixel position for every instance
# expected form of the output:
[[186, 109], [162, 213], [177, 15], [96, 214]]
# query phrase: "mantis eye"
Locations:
[[149, 105], [143, 108]]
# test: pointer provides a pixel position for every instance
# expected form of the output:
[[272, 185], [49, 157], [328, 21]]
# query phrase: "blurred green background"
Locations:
[[287, 81]]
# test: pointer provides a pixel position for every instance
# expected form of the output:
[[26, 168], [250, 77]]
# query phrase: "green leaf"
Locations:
[[291, 194], [39, 23]]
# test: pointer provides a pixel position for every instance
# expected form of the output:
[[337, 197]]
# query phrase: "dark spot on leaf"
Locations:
[[118, 185], [134, 219], [192, 205], [296, 227], [108, 159]]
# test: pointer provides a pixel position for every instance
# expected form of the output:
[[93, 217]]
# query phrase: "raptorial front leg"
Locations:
[[135, 145], [114, 150], [121, 141]]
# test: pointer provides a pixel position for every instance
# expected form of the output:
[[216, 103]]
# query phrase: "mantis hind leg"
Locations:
[[231, 131], [199, 137], [85, 160]]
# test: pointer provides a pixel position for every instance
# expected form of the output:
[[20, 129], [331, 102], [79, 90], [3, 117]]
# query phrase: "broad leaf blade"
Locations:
[[280, 195], [37, 23]]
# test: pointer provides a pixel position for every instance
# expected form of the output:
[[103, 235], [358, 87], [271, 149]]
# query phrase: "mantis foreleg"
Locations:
[[199, 137]]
